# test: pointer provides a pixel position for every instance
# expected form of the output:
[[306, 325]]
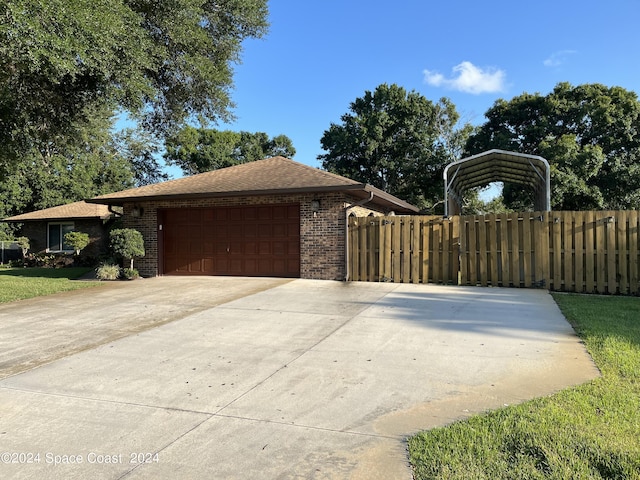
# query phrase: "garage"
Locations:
[[253, 241], [273, 217]]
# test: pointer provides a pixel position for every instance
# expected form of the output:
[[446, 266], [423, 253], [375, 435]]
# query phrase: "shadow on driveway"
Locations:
[[285, 379]]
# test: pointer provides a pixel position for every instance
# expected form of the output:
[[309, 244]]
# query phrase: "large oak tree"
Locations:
[[197, 150], [163, 60], [397, 141], [590, 134], [66, 66]]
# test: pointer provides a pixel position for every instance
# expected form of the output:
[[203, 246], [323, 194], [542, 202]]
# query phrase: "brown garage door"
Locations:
[[260, 240]]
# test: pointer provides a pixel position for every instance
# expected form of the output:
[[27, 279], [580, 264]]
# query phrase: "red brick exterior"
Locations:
[[322, 236]]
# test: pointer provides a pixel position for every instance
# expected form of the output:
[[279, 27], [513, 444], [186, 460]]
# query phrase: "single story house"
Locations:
[[272, 217], [46, 228]]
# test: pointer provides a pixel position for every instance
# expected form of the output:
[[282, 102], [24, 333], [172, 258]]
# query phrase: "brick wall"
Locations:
[[322, 235], [95, 228]]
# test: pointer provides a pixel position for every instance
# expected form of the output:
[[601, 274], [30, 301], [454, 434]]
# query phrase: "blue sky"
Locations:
[[319, 56]]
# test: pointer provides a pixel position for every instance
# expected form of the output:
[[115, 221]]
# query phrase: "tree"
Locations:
[[197, 150], [590, 134], [127, 243], [397, 141], [141, 150], [78, 240], [165, 62], [23, 243], [67, 169]]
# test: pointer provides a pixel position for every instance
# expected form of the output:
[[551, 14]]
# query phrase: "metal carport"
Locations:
[[496, 166]]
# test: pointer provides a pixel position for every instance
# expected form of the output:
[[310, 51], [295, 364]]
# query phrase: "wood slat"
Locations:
[[567, 252], [483, 251], [578, 256], [556, 250], [385, 232], [527, 262], [472, 251], [493, 249], [622, 260], [590, 251], [455, 249], [406, 249], [446, 251], [416, 253], [373, 249], [600, 225], [396, 248], [436, 246], [427, 251], [514, 258], [612, 283]]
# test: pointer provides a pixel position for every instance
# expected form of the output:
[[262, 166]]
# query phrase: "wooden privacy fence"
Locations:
[[592, 252]]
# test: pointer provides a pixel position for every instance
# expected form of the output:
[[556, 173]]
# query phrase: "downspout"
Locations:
[[346, 232], [115, 214]]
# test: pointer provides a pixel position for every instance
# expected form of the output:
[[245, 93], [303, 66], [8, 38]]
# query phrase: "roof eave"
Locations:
[[382, 197]]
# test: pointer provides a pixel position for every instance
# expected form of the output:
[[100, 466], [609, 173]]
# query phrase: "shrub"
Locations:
[[130, 273], [51, 260], [78, 240], [127, 243], [23, 243], [108, 271]]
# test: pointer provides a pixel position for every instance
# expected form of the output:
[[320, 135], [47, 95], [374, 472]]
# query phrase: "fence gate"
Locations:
[[592, 252]]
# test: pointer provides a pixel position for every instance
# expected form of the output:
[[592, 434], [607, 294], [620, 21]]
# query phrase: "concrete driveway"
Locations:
[[230, 378]]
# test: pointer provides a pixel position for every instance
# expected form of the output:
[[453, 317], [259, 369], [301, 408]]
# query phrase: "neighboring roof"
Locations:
[[70, 211], [497, 166], [276, 175]]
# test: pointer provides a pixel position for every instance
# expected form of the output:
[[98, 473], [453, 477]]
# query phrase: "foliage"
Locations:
[[140, 149], [66, 66], [474, 205], [127, 243], [51, 260], [589, 431], [23, 283], [65, 169], [130, 273], [397, 141], [590, 134], [78, 240], [164, 61], [108, 271], [201, 150], [23, 243]]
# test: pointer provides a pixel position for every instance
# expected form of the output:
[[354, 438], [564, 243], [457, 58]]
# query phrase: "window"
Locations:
[[55, 234]]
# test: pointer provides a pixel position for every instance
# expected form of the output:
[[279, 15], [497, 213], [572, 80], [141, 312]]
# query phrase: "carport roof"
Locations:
[[276, 175], [79, 210], [497, 166]]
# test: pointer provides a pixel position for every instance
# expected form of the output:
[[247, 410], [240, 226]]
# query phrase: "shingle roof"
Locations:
[[78, 210], [276, 175]]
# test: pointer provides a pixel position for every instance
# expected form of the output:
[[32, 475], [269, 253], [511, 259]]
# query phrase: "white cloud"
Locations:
[[468, 78], [558, 58]]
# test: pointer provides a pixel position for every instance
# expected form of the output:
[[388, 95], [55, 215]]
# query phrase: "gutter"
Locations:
[[346, 232]]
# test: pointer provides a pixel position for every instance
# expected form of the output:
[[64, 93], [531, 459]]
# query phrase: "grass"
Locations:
[[587, 432], [22, 283]]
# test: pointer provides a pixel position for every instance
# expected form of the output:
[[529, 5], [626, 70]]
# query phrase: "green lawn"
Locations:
[[21, 283], [588, 432]]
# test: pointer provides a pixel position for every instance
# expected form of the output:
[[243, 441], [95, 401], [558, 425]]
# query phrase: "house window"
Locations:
[[55, 237]]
